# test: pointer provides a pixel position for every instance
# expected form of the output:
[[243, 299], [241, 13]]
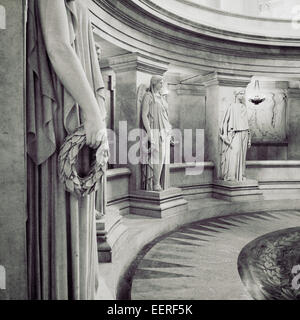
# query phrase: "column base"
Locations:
[[236, 191], [109, 231], [158, 204]]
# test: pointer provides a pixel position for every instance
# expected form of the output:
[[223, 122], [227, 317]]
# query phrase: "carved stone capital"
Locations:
[[139, 62]]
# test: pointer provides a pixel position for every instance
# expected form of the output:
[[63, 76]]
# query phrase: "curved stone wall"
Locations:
[[246, 25], [141, 26]]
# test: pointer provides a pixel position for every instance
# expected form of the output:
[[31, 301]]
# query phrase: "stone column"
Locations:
[[13, 157]]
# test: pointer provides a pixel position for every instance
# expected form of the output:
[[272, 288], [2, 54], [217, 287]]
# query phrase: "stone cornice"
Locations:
[[222, 33], [128, 10], [225, 80], [231, 14], [130, 27], [136, 61]]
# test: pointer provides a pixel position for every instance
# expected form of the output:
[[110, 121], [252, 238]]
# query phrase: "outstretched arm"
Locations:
[[68, 67]]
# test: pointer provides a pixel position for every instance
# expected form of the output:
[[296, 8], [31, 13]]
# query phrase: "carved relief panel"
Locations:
[[268, 119]]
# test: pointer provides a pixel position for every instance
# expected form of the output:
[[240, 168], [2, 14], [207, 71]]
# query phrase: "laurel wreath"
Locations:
[[67, 159]]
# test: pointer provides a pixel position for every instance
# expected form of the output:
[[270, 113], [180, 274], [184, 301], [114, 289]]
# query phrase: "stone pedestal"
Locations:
[[158, 204], [109, 230], [236, 191]]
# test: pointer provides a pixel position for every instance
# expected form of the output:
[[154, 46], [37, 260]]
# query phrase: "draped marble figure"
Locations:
[[64, 90], [155, 120], [235, 139]]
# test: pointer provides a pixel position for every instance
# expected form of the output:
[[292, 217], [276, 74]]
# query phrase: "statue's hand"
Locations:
[[225, 139], [95, 128], [173, 142], [227, 142], [102, 154]]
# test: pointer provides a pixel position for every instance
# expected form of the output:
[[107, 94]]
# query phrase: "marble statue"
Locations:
[[235, 139], [155, 120], [64, 90]]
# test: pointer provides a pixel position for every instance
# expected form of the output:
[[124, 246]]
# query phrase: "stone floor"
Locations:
[[199, 261]]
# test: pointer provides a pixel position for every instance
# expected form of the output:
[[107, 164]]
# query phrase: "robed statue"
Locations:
[[235, 139], [64, 92], [155, 122]]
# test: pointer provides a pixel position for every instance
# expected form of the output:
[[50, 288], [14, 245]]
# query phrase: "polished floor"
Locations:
[[199, 261]]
